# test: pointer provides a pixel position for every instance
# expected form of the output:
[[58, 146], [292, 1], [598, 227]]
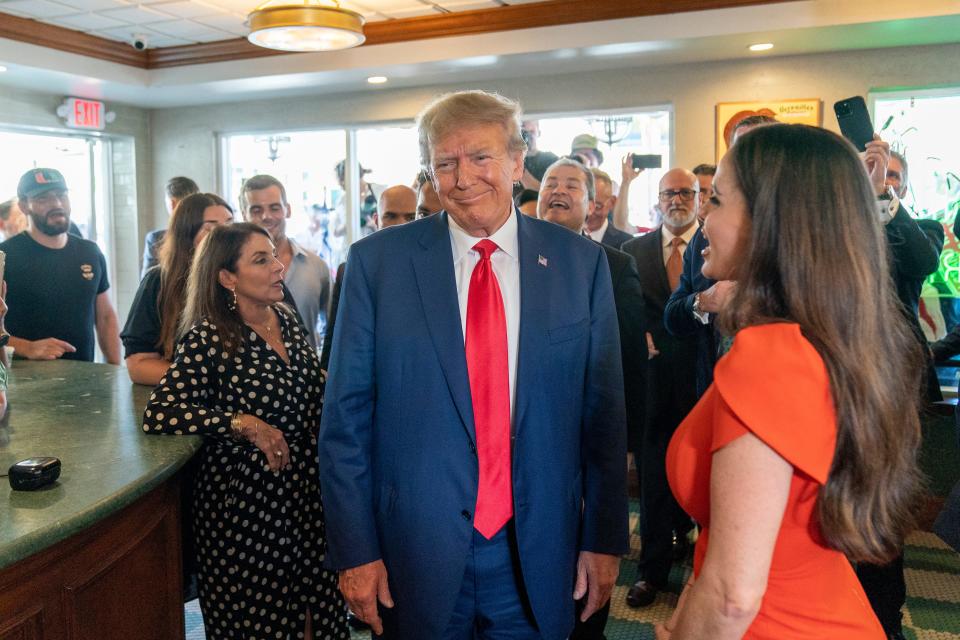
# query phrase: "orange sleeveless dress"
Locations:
[[774, 384]]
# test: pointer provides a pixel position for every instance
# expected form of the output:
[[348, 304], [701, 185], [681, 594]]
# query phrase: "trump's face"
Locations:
[[473, 172]]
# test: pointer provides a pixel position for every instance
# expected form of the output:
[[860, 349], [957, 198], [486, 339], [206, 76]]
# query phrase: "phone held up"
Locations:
[[854, 121], [647, 161]]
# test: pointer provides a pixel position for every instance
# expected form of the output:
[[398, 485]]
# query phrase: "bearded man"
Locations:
[[57, 287], [671, 380]]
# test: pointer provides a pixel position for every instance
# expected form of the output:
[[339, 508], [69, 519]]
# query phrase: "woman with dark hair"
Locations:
[[801, 456], [152, 325], [246, 379]]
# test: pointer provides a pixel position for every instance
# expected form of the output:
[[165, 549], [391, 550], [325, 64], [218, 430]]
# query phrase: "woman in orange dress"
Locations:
[[802, 454]]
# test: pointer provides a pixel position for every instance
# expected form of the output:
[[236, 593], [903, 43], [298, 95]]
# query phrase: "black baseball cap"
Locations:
[[36, 181]]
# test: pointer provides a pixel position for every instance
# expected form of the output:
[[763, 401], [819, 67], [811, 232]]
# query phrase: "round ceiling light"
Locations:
[[305, 26], [762, 46]]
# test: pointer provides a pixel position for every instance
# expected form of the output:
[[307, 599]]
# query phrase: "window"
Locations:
[[924, 127], [641, 133], [305, 162], [83, 162]]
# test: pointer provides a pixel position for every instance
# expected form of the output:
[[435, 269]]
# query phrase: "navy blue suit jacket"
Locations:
[[678, 313], [397, 442]]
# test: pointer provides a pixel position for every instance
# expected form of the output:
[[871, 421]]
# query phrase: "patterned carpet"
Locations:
[[932, 611]]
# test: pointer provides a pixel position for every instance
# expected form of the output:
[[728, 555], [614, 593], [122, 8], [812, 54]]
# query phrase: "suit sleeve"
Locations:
[[604, 434], [678, 312], [347, 425], [914, 252], [331, 321], [633, 344], [947, 346]]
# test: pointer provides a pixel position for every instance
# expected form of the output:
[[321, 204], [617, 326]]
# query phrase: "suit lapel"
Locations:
[[433, 266], [534, 262], [660, 268]]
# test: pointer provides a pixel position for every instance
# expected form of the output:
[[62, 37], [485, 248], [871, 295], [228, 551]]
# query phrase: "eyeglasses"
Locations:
[[685, 194], [47, 197]]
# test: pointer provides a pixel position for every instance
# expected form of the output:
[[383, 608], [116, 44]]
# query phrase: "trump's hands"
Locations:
[[362, 587], [596, 575]]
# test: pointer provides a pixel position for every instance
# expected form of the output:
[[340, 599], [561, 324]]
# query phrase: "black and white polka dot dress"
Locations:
[[260, 535]]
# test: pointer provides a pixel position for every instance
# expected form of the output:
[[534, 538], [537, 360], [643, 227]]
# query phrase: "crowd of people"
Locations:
[[467, 386]]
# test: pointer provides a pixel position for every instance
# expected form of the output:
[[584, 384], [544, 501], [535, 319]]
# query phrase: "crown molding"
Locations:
[[62, 39], [550, 13]]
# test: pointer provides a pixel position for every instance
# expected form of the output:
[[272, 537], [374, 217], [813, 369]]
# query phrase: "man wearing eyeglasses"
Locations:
[[670, 380], [56, 282]]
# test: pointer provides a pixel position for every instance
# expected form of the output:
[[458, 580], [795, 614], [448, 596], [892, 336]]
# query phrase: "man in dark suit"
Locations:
[[671, 377], [176, 190], [914, 255], [694, 304], [567, 193], [473, 437], [598, 225]]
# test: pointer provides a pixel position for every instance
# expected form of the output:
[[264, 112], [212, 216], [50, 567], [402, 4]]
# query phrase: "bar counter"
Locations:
[[96, 554]]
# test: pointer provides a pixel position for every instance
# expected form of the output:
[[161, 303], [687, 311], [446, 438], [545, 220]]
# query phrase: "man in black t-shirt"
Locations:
[[56, 282]]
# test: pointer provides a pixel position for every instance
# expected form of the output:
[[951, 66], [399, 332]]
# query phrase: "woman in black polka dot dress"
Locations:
[[245, 377]]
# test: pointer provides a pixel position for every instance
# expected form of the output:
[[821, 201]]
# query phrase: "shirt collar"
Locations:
[[295, 248], [668, 236], [505, 237], [596, 235]]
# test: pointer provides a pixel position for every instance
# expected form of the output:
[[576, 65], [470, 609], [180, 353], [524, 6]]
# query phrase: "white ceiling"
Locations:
[[806, 26], [167, 23]]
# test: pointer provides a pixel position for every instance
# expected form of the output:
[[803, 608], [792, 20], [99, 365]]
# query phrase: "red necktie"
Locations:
[[487, 367]]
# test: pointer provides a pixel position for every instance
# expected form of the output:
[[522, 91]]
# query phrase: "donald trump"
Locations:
[[473, 437]]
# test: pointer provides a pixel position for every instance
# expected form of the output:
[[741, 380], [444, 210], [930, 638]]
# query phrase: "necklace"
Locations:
[[265, 326]]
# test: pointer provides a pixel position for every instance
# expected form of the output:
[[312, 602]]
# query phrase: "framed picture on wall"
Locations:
[[787, 111]]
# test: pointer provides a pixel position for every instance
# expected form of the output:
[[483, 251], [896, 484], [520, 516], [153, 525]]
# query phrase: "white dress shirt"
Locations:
[[598, 234], [506, 267]]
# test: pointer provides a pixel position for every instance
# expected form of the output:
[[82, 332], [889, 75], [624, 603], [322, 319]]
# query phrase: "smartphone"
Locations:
[[647, 162], [854, 121]]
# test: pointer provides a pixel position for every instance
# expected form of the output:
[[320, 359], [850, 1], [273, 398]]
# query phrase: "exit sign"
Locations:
[[80, 113]]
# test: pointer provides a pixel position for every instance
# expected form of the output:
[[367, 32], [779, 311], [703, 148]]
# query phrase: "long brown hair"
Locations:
[[206, 297], [176, 255], [817, 256]]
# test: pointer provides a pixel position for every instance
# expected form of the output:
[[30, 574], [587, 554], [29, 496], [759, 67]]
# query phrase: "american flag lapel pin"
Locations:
[[541, 261]]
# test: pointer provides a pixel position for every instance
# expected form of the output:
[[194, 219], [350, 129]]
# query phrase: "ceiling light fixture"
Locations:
[[2, 68], [308, 25], [377, 79], [763, 46]]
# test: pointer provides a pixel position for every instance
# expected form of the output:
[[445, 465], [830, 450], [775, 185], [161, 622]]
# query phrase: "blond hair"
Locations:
[[468, 108]]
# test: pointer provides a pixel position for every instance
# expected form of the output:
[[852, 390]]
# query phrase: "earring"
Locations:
[[232, 304]]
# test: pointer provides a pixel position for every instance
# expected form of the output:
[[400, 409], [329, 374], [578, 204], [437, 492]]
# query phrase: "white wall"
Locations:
[[132, 175], [184, 139]]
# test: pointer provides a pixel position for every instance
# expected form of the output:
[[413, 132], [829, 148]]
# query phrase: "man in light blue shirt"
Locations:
[[263, 201]]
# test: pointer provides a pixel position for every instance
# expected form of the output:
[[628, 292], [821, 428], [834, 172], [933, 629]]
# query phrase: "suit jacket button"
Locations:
[[465, 514], [473, 448]]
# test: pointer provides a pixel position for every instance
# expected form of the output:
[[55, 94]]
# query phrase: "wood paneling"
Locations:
[[459, 23], [53, 37], [119, 580]]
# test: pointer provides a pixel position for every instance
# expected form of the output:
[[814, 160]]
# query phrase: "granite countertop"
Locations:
[[89, 416]]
